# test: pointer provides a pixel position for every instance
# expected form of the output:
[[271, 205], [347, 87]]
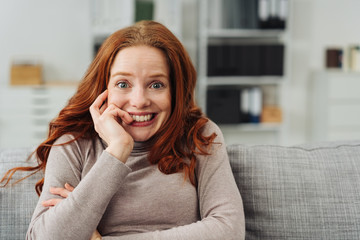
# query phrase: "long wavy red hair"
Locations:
[[180, 138]]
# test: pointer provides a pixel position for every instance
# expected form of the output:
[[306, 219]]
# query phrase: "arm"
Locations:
[[221, 208], [77, 216]]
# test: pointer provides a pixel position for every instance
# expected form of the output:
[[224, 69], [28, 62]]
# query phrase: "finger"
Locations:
[[51, 202], [59, 191], [103, 107], [95, 107], [119, 113], [125, 117], [69, 187], [95, 236]]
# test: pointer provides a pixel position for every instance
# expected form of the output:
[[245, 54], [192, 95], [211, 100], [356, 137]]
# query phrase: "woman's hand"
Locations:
[[107, 122], [64, 192], [96, 236]]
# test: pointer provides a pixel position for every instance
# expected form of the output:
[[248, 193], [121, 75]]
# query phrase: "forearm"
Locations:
[[207, 229], [77, 216]]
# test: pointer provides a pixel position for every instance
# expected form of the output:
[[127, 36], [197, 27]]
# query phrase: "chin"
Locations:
[[139, 138]]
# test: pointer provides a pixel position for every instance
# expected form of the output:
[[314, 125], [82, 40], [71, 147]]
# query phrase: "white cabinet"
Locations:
[[335, 106], [25, 113]]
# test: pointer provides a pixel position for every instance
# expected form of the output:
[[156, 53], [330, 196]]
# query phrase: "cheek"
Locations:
[[114, 98]]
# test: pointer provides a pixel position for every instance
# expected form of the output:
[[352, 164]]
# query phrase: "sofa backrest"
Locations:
[[299, 192], [17, 203]]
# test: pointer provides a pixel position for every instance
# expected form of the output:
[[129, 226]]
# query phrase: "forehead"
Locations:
[[140, 57]]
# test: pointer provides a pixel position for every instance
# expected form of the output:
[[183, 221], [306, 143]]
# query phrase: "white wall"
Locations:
[[314, 25], [55, 32]]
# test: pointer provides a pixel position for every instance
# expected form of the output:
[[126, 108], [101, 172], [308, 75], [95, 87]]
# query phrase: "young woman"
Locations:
[[143, 161]]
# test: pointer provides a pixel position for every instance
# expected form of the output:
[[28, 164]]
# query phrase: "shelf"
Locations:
[[244, 80], [246, 33], [252, 127]]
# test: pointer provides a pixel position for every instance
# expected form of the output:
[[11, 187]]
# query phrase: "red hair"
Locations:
[[180, 138]]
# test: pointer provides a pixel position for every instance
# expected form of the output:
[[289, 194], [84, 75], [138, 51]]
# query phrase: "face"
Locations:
[[139, 84]]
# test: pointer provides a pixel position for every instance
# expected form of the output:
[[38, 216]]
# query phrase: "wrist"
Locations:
[[120, 151]]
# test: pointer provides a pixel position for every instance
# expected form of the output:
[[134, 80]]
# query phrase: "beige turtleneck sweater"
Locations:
[[135, 200]]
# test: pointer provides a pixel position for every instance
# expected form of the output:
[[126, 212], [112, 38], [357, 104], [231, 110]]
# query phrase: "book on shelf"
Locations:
[[235, 105], [248, 14], [334, 58], [272, 14], [255, 104], [223, 106], [245, 60]]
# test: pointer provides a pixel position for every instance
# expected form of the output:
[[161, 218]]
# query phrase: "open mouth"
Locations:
[[143, 117]]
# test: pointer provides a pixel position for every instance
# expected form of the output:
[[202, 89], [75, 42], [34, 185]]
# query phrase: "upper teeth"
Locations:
[[142, 118]]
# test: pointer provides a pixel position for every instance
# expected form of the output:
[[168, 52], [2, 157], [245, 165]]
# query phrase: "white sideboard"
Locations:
[[335, 105], [25, 112]]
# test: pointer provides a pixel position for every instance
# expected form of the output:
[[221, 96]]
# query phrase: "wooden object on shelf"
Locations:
[[271, 114], [26, 74]]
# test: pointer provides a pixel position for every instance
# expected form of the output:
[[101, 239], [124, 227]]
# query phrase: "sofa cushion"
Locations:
[[17, 202], [299, 192]]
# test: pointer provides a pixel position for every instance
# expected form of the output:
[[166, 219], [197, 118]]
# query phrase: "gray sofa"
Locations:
[[300, 192]]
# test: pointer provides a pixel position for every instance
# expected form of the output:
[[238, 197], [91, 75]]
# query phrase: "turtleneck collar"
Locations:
[[139, 147]]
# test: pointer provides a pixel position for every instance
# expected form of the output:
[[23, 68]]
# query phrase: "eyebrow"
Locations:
[[121, 73], [156, 75]]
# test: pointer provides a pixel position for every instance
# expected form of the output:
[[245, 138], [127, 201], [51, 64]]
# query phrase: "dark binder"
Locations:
[[272, 63], [246, 60], [223, 105]]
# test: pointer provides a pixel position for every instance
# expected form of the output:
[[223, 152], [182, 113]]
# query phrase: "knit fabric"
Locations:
[[135, 200]]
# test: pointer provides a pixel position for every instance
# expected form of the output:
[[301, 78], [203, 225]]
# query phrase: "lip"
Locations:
[[143, 124]]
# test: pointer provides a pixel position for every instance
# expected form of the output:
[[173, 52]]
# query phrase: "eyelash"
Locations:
[[122, 82], [152, 85], [158, 83]]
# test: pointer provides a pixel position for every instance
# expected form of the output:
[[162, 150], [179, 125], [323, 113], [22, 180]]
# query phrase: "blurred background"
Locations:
[[269, 71]]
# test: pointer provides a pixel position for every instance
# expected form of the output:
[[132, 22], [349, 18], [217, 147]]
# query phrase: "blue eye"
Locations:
[[157, 85], [122, 85]]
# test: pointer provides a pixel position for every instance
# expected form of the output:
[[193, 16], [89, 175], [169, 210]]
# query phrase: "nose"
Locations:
[[139, 98]]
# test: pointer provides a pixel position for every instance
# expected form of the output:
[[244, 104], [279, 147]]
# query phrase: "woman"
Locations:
[[144, 162]]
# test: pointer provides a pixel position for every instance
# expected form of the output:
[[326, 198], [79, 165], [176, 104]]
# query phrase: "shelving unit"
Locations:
[[271, 86]]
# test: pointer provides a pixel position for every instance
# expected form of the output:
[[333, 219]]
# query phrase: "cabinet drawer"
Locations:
[[344, 87], [345, 134], [344, 115]]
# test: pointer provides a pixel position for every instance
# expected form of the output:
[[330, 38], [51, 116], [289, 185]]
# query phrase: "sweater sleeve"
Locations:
[[221, 209], [77, 216]]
